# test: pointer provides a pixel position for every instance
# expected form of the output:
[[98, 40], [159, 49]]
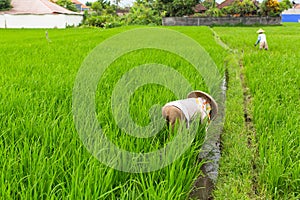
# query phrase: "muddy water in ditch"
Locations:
[[211, 152]]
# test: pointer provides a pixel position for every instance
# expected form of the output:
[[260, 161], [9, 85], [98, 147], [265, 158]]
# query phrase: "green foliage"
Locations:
[[143, 13], [241, 8], [244, 8], [103, 15], [270, 8], [199, 15], [103, 21], [214, 12], [285, 4], [208, 3], [97, 7], [228, 10], [88, 3], [176, 8], [5, 4], [67, 4], [103, 7]]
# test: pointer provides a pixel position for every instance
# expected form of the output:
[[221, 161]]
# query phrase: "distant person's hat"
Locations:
[[213, 103], [260, 31]]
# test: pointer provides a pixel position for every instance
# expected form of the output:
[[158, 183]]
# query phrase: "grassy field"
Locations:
[[42, 155]]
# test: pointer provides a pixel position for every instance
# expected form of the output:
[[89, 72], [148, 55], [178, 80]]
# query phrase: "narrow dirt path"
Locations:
[[245, 136]]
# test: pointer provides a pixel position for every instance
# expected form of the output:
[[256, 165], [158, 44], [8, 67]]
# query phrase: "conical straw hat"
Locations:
[[260, 31], [213, 103]]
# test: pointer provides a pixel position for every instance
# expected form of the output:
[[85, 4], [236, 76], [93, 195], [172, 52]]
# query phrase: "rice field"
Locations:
[[42, 154], [43, 157], [272, 79]]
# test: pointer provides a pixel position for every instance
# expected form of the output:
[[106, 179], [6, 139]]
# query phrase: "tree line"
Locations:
[[5, 5], [145, 12], [150, 12]]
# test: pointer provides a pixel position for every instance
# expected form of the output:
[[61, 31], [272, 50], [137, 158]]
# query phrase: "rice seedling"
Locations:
[[272, 77], [42, 155]]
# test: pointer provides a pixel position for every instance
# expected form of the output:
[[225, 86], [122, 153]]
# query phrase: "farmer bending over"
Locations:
[[262, 40]]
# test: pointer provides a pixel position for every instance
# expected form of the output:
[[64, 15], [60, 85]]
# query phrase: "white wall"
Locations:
[[2, 21], [74, 20], [292, 11], [40, 21]]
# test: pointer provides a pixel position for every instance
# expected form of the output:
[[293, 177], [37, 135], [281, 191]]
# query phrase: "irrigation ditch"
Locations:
[[211, 150], [211, 153]]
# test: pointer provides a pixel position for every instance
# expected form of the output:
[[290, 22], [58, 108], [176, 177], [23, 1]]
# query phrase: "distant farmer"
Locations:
[[47, 36], [262, 40]]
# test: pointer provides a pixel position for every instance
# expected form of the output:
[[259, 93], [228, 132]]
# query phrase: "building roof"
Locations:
[[295, 11], [76, 2], [37, 7], [199, 8], [230, 3], [79, 3], [226, 3]]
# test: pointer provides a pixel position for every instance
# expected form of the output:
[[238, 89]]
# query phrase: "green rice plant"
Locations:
[[272, 77], [42, 156]]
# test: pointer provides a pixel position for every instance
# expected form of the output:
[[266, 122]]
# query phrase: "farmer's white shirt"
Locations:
[[262, 37], [192, 106]]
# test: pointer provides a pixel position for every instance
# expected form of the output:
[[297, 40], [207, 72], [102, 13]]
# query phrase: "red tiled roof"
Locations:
[[79, 3], [76, 2], [199, 8], [225, 3], [36, 7]]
